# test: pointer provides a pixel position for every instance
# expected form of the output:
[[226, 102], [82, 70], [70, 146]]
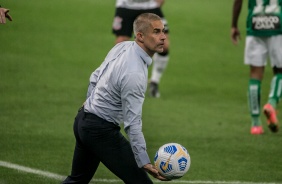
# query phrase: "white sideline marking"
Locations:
[[60, 177], [30, 170]]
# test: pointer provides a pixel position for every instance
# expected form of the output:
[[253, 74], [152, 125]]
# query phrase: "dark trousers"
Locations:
[[98, 141]]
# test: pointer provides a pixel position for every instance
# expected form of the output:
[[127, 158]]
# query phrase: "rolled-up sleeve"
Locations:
[[132, 94]]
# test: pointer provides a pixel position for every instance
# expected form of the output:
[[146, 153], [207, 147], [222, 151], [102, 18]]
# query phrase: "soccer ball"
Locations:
[[172, 161]]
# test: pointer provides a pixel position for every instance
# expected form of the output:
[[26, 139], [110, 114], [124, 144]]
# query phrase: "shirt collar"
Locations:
[[144, 56]]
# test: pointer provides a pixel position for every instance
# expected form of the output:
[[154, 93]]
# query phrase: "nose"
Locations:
[[163, 37]]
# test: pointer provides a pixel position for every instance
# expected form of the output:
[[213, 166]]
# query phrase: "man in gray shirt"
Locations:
[[115, 95]]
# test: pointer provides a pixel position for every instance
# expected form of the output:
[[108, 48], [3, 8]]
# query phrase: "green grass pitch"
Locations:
[[49, 50]]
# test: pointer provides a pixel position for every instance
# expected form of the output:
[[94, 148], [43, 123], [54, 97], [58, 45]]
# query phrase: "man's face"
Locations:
[[154, 38]]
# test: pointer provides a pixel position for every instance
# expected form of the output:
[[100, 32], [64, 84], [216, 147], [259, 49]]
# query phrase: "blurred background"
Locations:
[[49, 50]]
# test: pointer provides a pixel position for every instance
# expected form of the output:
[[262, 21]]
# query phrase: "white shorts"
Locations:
[[259, 49]]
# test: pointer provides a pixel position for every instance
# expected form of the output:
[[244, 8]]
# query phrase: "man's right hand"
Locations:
[[154, 172]]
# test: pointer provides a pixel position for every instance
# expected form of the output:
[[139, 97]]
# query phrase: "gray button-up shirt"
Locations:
[[117, 90]]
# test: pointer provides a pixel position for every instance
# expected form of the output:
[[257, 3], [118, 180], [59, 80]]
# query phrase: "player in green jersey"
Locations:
[[263, 42]]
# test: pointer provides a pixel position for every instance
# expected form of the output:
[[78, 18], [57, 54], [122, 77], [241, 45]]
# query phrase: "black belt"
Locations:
[[93, 116]]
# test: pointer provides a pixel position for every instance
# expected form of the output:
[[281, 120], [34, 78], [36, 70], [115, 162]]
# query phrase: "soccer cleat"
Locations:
[[256, 130], [272, 120], [154, 90]]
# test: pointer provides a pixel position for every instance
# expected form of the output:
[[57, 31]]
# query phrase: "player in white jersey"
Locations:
[[138, 4], [125, 14]]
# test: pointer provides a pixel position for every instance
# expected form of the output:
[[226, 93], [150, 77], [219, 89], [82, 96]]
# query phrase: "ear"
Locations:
[[140, 37]]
